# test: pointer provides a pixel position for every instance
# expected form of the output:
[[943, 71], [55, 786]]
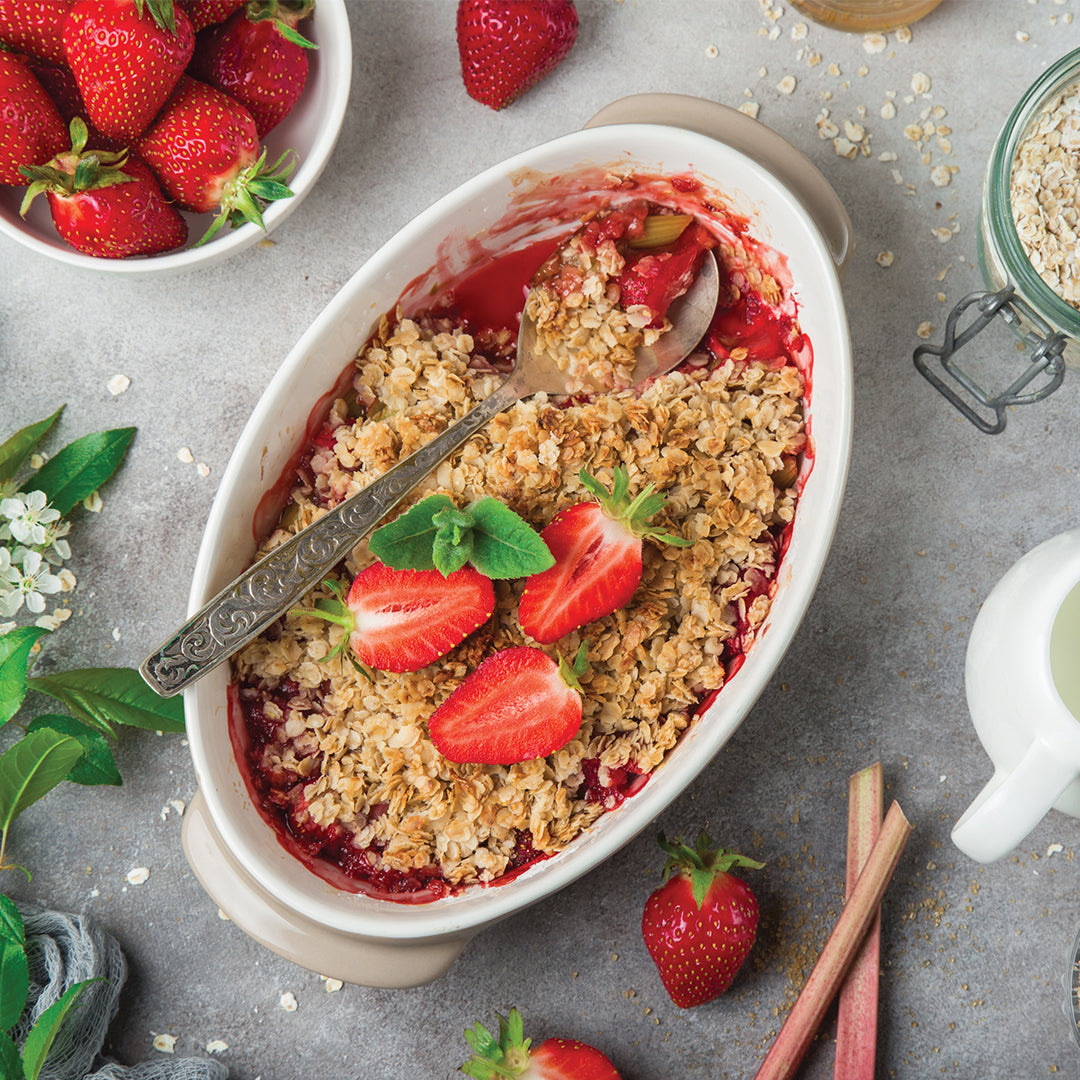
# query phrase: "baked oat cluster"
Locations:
[[1044, 191], [346, 761]]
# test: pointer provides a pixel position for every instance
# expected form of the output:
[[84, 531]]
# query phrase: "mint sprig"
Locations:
[[435, 534]]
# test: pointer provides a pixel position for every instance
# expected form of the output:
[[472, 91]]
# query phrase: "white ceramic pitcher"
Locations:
[[1022, 674]]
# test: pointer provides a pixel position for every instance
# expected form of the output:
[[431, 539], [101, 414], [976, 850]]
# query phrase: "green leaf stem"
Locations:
[[15, 648], [15, 451], [82, 467], [103, 697]]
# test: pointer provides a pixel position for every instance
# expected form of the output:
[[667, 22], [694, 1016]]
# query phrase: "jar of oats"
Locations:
[[863, 16], [1029, 252]]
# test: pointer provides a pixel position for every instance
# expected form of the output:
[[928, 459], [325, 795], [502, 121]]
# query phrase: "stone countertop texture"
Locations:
[[935, 512]]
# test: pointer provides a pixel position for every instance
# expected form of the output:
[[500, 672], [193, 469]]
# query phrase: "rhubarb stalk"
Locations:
[[856, 1020], [836, 957]]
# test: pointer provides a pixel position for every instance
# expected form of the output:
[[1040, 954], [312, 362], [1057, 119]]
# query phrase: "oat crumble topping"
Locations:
[[345, 756]]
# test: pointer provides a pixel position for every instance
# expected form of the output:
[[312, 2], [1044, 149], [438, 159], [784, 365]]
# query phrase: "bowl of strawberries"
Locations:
[[149, 136]]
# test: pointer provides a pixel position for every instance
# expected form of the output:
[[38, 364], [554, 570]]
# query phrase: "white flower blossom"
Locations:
[[28, 515], [54, 547], [29, 585]]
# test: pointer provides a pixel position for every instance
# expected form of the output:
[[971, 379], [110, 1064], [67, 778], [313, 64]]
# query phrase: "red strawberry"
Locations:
[[259, 58], [105, 204], [35, 27], [519, 704], [61, 86], [512, 1055], [207, 12], [700, 925], [597, 549], [127, 56], [403, 620], [507, 46], [31, 131], [205, 151]]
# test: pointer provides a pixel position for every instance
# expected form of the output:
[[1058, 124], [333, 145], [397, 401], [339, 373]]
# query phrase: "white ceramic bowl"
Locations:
[[311, 129], [236, 855]]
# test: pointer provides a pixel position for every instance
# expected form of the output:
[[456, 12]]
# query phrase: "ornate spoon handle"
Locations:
[[246, 607]]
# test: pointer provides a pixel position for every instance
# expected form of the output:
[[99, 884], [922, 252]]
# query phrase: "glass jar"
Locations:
[[863, 16], [1044, 321]]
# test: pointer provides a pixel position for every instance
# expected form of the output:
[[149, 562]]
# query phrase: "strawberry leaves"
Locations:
[[701, 863], [437, 535]]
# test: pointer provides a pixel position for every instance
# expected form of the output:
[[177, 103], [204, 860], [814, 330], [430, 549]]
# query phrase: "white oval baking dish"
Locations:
[[236, 856]]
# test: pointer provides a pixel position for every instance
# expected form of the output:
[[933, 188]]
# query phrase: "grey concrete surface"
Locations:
[[935, 512]]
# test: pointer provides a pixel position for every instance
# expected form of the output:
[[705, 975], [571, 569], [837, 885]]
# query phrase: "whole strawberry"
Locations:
[[207, 12], [259, 58], [31, 131], [507, 46], [61, 86], [511, 1055], [105, 204], [700, 925], [204, 149], [127, 56], [35, 27]]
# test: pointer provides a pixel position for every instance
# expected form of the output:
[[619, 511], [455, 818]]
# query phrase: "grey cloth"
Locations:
[[63, 950]]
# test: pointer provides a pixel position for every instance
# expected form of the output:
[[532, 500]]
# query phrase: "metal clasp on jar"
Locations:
[[1046, 358]]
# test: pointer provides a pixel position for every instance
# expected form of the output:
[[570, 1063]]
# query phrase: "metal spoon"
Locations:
[[246, 607]]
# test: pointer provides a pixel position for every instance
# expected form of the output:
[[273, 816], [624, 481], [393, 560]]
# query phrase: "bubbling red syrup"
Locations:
[[488, 300]]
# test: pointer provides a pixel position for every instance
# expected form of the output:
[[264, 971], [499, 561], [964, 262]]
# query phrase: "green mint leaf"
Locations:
[[11, 924], [82, 467], [407, 542], [15, 648], [504, 544], [43, 1034], [452, 550], [18, 448], [33, 767], [97, 765], [10, 1062], [14, 983], [105, 696]]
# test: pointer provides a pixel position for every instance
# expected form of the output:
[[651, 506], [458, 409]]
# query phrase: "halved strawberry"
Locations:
[[519, 704], [597, 549], [403, 620]]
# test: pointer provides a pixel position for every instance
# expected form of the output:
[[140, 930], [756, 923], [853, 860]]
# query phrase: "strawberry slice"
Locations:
[[510, 1054], [403, 620], [597, 548], [507, 46], [519, 704]]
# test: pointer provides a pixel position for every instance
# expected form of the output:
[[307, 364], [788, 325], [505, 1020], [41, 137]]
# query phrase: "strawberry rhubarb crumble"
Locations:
[[381, 766]]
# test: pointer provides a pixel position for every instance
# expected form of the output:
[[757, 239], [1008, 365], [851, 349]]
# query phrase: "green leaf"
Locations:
[[14, 983], [82, 467], [407, 542], [106, 696], [504, 544], [18, 448], [11, 924], [15, 648], [33, 767], [10, 1062], [97, 765], [43, 1034]]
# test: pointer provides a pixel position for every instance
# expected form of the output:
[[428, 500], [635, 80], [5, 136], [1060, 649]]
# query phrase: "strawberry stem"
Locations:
[[245, 195], [813, 1001], [633, 513], [701, 863], [856, 1021], [506, 1055]]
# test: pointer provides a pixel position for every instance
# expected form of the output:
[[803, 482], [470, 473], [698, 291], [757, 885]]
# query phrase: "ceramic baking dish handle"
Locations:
[[348, 957], [758, 142]]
